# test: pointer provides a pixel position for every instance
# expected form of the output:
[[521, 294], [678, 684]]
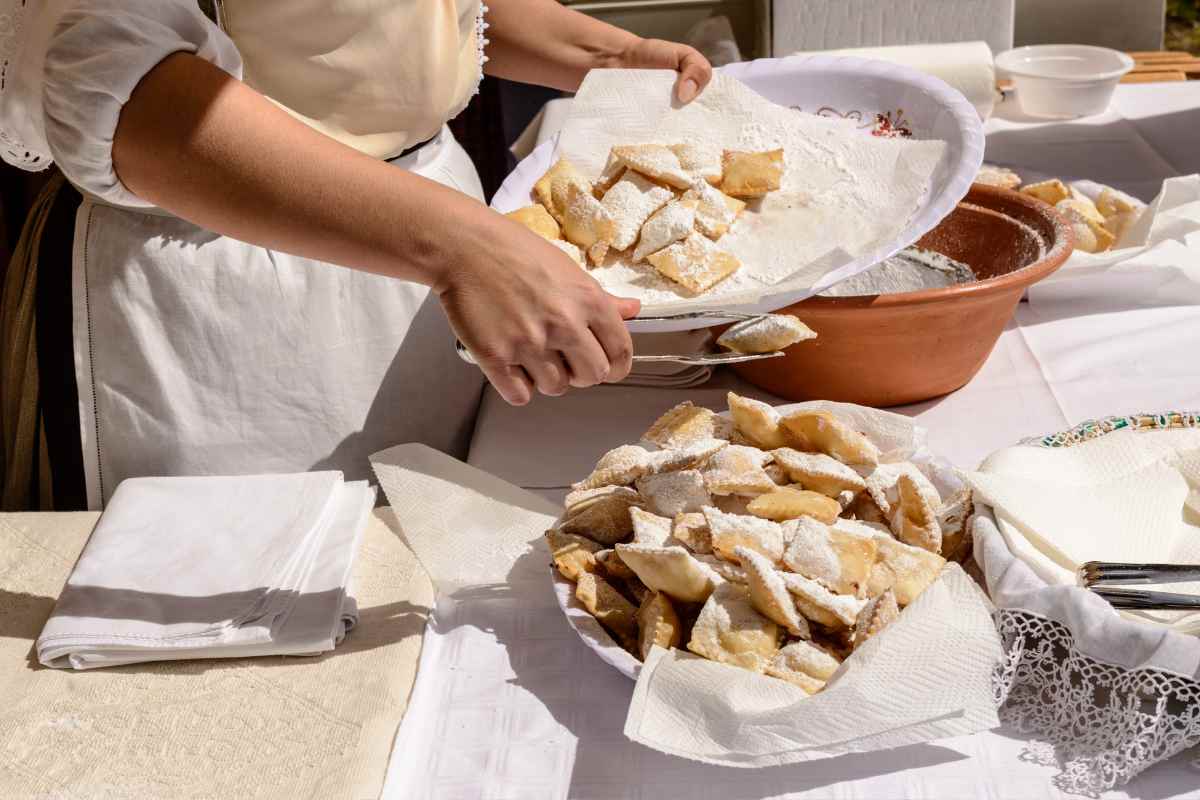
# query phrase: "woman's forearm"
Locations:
[[542, 42], [203, 145]]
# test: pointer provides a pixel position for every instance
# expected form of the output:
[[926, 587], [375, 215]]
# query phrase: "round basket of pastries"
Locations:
[[775, 540]]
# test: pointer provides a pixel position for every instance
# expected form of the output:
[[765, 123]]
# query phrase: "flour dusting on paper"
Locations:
[[843, 193]]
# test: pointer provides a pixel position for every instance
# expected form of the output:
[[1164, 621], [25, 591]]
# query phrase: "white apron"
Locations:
[[198, 354]]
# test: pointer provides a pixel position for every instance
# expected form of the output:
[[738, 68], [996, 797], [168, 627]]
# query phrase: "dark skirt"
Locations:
[[43, 461]]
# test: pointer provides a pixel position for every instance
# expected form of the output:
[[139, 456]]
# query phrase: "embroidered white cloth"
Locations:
[[212, 567]]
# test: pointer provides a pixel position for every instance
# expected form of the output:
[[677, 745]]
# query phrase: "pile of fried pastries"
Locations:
[[1097, 224], [778, 544], [666, 205]]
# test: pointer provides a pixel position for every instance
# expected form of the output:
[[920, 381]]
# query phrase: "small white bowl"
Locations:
[[1064, 81]]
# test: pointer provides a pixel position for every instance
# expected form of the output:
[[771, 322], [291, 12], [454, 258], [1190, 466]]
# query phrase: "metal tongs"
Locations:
[[696, 359], [1098, 576]]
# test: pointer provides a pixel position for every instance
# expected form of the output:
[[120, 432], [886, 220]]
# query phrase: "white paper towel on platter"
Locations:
[[471, 530], [1129, 496], [967, 66], [843, 193]]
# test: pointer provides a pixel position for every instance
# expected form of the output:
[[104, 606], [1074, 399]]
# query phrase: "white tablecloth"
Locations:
[[518, 717]]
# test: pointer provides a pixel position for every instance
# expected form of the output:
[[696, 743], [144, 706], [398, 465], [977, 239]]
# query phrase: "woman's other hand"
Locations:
[[532, 317], [694, 70]]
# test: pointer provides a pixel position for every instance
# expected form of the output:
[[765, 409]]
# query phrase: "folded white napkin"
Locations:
[[212, 567], [1128, 496], [967, 66], [669, 374]]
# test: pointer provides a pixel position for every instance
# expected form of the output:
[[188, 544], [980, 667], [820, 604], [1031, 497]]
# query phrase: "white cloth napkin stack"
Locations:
[[667, 374], [212, 567]]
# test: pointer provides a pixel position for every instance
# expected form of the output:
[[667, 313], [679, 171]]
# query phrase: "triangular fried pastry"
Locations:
[[802, 680], [751, 174], [630, 202], [699, 160], [658, 624], [691, 530], [765, 334], [654, 161], [601, 514], [810, 658], [612, 566], [757, 421], [572, 554], [777, 474], [732, 504], [671, 493], [572, 252], [863, 508], [953, 518], [839, 559], [822, 432], [551, 189], [914, 520], [834, 611], [881, 485], [650, 528], [818, 472], [620, 466], [877, 614], [904, 569], [585, 221], [729, 630], [788, 502], [633, 589], [537, 219], [695, 263], [609, 607], [670, 569], [612, 172], [687, 424], [730, 531], [769, 595], [688, 456], [668, 225], [727, 570], [715, 210], [738, 470], [597, 252]]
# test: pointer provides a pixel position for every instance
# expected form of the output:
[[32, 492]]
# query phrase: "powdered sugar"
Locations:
[[669, 224], [630, 202], [910, 270], [811, 552]]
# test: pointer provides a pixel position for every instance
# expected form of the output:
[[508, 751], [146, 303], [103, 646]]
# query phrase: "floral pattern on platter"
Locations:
[[888, 124]]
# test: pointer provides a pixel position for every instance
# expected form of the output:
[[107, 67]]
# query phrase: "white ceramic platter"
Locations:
[[872, 93]]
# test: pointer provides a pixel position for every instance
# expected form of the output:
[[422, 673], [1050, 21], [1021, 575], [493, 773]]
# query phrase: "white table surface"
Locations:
[[1024, 389]]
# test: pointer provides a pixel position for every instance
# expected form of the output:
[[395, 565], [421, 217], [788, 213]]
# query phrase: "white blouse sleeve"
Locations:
[[97, 54]]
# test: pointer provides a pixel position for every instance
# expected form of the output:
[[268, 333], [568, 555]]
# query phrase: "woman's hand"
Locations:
[[694, 70], [532, 317], [545, 43]]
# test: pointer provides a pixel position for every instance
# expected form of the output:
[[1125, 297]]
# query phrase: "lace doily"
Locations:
[[1106, 723], [12, 149]]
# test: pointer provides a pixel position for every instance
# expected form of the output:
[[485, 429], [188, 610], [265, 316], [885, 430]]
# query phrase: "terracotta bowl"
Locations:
[[888, 350]]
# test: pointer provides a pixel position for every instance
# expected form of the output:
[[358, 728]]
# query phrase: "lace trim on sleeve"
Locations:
[[12, 149], [481, 42]]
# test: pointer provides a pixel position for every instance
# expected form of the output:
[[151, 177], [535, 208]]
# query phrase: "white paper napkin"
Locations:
[[212, 567], [1121, 497], [893, 692]]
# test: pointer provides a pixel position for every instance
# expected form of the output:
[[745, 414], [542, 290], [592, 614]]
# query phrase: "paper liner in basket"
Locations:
[[926, 677]]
